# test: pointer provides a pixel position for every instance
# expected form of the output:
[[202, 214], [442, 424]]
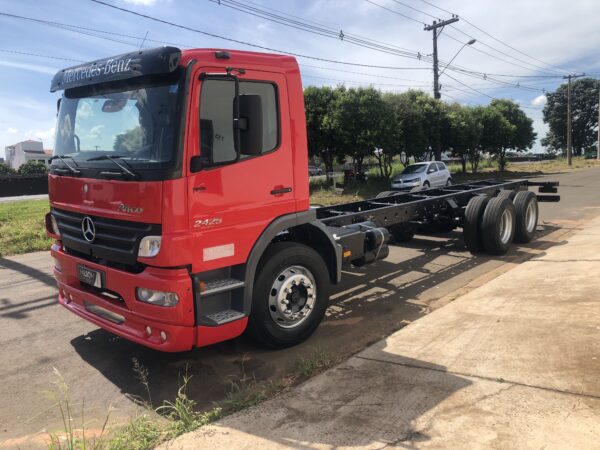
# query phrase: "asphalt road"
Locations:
[[38, 337]]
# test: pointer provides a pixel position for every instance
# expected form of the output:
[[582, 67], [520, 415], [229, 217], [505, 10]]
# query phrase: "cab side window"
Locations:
[[216, 118]]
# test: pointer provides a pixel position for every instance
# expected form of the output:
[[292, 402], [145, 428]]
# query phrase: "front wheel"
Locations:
[[449, 182], [426, 185], [290, 295]]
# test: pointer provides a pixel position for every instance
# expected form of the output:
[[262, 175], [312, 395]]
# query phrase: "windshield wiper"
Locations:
[[67, 165], [114, 158]]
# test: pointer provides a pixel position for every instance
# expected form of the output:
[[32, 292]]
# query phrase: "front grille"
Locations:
[[116, 241]]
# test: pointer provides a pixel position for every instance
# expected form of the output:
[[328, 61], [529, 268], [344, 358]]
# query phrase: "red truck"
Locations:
[[180, 208]]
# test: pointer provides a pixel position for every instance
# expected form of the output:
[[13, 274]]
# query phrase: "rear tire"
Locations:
[[507, 193], [498, 226], [526, 208], [472, 223], [385, 194], [283, 261]]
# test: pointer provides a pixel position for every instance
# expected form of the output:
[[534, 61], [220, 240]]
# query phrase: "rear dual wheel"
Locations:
[[491, 225]]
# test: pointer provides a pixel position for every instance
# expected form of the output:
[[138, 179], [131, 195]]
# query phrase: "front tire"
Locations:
[[291, 292], [426, 185]]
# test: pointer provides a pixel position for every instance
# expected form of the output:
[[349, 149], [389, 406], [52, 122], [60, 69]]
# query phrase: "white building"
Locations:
[[21, 152]]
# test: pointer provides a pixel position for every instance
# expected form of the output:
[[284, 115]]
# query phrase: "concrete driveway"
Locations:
[[38, 335], [513, 364]]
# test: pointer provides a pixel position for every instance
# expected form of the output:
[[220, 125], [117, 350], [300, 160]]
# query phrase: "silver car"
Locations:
[[422, 175]]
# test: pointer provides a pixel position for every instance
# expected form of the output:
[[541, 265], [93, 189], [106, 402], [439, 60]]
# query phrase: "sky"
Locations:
[[522, 47]]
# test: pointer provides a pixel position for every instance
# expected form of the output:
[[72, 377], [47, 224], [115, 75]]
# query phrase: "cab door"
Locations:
[[231, 201]]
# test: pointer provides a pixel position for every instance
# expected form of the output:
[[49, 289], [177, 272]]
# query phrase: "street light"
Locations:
[[471, 42]]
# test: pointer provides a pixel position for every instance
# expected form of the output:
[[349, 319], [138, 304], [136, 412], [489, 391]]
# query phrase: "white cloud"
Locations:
[[42, 135], [29, 67], [540, 100], [11, 130], [141, 2]]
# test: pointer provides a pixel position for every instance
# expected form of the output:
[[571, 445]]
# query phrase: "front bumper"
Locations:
[[128, 317], [405, 186]]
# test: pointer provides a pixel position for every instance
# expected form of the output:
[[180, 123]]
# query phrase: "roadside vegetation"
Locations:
[[22, 228], [323, 192], [154, 425]]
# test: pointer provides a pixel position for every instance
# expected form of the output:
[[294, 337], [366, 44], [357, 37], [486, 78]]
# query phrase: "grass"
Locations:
[[153, 426], [22, 228]]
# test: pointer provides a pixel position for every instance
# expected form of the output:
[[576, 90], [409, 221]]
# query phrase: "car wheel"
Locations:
[[449, 182], [426, 185]]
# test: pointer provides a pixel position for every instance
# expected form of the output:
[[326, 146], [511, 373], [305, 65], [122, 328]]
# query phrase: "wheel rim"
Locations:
[[506, 226], [531, 217], [449, 183], [292, 297]]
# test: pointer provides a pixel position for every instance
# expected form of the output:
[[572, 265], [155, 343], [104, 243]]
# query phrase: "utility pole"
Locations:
[[569, 118], [434, 27], [437, 147]]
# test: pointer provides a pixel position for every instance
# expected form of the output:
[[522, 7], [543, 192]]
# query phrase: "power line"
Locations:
[[16, 52], [396, 12], [537, 67], [73, 28], [493, 37]]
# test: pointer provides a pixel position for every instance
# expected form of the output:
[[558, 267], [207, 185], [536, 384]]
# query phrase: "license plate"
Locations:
[[90, 276]]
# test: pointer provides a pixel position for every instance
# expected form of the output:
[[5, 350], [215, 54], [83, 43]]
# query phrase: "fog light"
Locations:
[[157, 297], [149, 246], [163, 335], [148, 331]]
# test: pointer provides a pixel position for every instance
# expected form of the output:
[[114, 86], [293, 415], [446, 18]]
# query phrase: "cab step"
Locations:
[[222, 317], [223, 285]]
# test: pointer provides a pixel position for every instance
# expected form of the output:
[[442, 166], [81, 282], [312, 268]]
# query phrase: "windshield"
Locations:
[[137, 124], [415, 168]]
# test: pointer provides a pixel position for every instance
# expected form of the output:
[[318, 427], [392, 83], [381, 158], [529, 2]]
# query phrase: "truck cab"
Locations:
[[170, 167]]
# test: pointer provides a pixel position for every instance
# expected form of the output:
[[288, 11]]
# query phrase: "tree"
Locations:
[[319, 105], [461, 134], [358, 116], [496, 129], [521, 136], [584, 113], [584, 103], [433, 118], [407, 134], [5, 169], [31, 167], [129, 140]]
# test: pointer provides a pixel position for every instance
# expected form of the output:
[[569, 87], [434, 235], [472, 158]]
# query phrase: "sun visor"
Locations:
[[154, 61]]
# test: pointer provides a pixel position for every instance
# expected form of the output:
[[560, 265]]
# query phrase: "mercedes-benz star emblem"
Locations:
[[88, 228]]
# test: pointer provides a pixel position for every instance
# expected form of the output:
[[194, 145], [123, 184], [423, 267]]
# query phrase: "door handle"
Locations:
[[281, 191]]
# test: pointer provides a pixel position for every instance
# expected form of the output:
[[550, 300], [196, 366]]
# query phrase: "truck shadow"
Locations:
[[369, 304]]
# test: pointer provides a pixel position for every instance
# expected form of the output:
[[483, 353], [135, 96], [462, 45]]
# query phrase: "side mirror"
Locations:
[[196, 163], [250, 124]]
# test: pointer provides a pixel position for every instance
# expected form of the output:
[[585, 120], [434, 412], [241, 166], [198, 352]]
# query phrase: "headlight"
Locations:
[[157, 297], [52, 225], [149, 246]]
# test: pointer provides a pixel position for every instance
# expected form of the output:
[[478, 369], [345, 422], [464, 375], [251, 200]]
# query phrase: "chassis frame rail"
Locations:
[[426, 205]]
